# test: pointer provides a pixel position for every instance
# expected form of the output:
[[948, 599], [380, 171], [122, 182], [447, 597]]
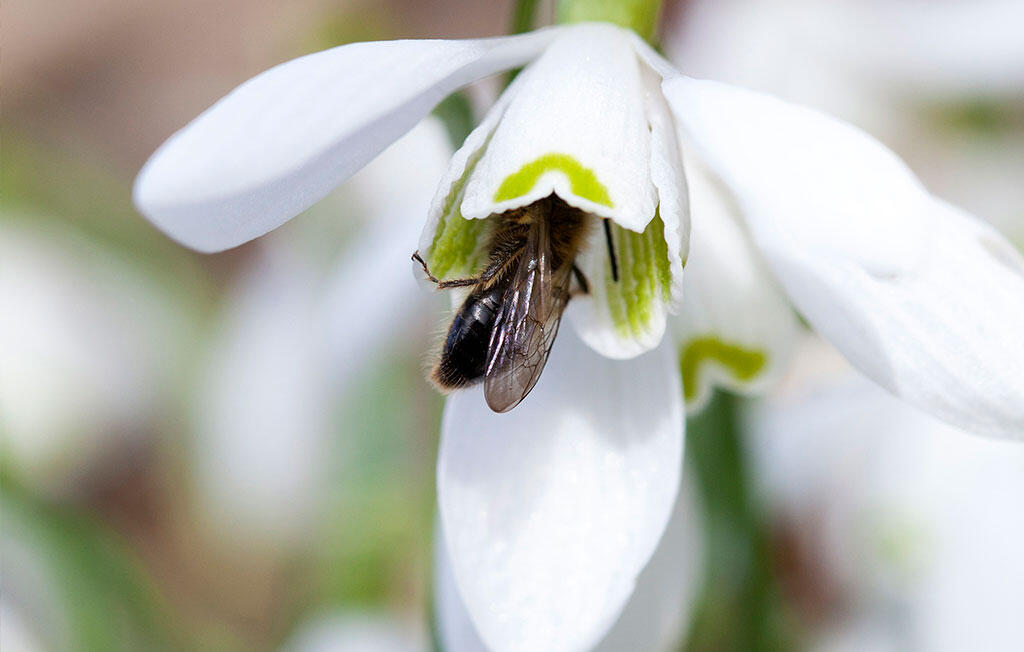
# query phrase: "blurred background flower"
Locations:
[[895, 531], [222, 452]]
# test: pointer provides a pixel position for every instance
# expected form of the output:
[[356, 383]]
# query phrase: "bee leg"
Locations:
[[443, 285], [581, 279]]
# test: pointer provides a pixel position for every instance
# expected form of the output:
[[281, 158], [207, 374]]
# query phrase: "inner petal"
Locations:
[[576, 127]]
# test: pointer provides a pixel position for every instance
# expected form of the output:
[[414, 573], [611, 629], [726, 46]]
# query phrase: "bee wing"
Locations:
[[526, 324]]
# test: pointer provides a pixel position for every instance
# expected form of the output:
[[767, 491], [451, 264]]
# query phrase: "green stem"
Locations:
[[742, 607], [641, 16], [523, 15]]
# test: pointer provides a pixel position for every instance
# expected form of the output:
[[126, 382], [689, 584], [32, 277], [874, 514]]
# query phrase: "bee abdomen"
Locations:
[[464, 355]]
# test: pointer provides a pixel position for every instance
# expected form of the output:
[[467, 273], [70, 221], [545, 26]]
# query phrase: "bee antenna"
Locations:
[[611, 249]]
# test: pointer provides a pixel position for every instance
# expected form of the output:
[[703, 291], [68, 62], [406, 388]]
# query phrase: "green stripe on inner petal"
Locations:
[[582, 180], [645, 277], [742, 364], [456, 248]]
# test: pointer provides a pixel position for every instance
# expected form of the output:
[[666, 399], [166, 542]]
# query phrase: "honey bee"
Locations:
[[504, 329]]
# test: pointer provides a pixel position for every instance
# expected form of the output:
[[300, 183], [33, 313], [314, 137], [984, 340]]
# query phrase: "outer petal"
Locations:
[[659, 613], [284, 139], [736, 329], [552, 510], [575, 127], [656, 616], [925, 300], [828, 186]]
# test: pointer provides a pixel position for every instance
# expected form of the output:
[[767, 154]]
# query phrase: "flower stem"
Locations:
[[523, 16], [641, 16], [742, 607]]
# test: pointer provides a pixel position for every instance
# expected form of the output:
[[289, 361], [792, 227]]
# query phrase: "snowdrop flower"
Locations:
[[916, 526], [551, 512]]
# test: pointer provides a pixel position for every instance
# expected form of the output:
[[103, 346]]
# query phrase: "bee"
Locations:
[[503, 332]]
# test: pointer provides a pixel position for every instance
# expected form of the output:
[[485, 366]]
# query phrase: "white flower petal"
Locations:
[[656, 616], [822, 184], [455, 629], [576, 127], [624, 317], [552, 510], [736, 329], [669, 180], [923, 299], [284, 139]]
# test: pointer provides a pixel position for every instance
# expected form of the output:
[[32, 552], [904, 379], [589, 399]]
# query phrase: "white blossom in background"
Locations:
[[263, 424], [901, 69], [88, 355], [295, 333], [551, 512], [16, 633], [356, 631], [916, 525]]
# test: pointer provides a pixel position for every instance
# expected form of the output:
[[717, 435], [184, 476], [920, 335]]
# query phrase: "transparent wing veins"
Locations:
[[527, 323]]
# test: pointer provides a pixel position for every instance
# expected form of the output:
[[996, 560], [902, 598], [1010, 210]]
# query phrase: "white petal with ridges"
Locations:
[[575, 127], [925, 300], [736, 329], [284, 139], [624, 317], [552, 510]]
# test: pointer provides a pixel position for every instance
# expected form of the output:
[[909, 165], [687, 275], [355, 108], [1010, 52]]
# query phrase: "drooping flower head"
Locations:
[[550, 512]]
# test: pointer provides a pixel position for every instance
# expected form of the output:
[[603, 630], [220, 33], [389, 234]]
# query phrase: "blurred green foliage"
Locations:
[[105, 602], [741, 607]]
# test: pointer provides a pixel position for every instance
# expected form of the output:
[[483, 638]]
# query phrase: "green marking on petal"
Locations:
[[582, 180], [645, 277], [456, 248], [661, 258], [743, 364]]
